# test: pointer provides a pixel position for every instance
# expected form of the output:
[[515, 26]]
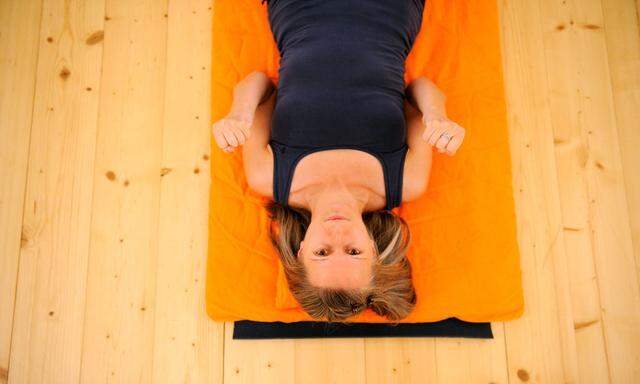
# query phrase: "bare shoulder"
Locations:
[[257, 156], [417, 165], [415, 179], [258, 169]]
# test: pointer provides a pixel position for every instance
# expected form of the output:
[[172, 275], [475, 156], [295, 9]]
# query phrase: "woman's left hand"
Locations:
[[435, 127]]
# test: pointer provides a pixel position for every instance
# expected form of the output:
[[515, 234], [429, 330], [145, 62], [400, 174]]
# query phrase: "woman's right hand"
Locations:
[[231, 132], [436, 125]]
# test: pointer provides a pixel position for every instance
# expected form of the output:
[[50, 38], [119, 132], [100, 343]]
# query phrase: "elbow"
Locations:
[[252, 78], [257, 181], [421, 187], [417, 188], [257, 76], [256, 73], [253, 179]]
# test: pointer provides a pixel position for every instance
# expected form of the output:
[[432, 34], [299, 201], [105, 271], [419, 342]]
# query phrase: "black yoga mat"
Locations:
[[451, 327]]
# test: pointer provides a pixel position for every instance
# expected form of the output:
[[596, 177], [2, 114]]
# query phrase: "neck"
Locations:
[[336, 198]]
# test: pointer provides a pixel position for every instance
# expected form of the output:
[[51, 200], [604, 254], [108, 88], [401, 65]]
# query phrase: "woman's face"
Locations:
[[337, 252]]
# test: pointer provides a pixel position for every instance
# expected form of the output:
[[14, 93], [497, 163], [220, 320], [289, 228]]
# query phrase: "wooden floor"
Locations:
[[104, 164]]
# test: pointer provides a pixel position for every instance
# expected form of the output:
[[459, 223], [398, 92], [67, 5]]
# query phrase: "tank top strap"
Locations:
[[394, 164], [285, 159]]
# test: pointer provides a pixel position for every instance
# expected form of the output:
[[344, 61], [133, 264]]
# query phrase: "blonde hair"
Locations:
[[390, 293]]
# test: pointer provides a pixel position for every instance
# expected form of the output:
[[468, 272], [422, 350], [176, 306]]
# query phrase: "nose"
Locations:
[[337, 229]]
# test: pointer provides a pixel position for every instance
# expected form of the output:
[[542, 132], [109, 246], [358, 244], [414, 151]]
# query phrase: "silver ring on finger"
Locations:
[[446, 135]]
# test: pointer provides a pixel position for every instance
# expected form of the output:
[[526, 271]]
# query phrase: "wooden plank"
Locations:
[[585, 124], [586, 135], [541, 345], [468, 361], [188, 345], [623, 48], [121, 287], [50, 300], [330, 361], [293, 361], [565, 45], [258, 361], [437, 360], [19, 42], [401, 361]]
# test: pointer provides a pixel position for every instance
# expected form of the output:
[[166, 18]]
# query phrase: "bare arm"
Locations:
[[257, 157], [424, 95], [235, 128], [249, 93], [417, 164]]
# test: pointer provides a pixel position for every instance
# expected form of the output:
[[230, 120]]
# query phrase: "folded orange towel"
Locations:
[[464, 250]]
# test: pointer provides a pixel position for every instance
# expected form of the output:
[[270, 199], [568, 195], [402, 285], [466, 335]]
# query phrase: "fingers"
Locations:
[[454, 144], [240, 135], [219, 137], [457, 135], [229, 134], [230, 137], [439, 129], [447, 143], [245, 128], [434, 129], [442, 142]]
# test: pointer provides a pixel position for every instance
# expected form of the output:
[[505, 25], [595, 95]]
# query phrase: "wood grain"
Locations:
[[104, 164], [622, 36], [121, 280], [252, 361], [19, 44], [330, 361], [592, 188], [50, 301], [188, 346], [401, 361], [540, 346], [475, 360]]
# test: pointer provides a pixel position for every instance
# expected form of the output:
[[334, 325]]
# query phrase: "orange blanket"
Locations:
[[464, 249]]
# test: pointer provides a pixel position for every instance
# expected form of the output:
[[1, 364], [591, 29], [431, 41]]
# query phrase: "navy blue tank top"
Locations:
[[341, 83]]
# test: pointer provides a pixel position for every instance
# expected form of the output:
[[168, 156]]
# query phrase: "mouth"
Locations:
[[335, 217]]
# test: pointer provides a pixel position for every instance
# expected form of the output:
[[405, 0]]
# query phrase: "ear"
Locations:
[[300, 249]]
